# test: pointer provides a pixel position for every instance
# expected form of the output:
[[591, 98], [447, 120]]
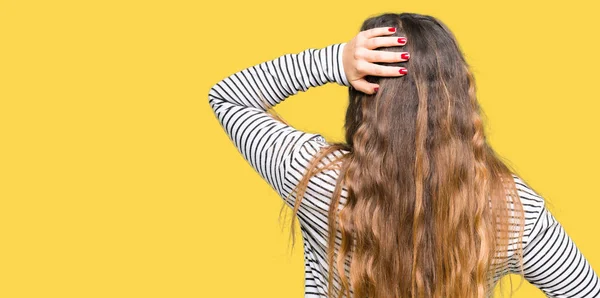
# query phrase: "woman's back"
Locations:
[[551, 261]]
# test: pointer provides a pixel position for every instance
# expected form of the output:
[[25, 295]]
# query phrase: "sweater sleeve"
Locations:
[[553, 263], [240, 101]]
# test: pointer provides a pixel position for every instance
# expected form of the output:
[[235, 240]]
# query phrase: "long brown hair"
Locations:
[[430, 205]]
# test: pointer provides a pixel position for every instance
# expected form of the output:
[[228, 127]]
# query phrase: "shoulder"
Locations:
[[304, 153], [533, 204], [531, 200], [321, 186]]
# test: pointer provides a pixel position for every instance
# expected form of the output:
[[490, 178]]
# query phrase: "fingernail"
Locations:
[[405, 56], [392, 29], [376, 88], [402, 40], [403, 71]]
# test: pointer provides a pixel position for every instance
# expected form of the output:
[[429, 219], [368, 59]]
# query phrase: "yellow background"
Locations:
[[117, 180]]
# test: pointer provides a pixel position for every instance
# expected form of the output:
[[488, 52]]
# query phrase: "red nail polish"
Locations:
[[405, 56], [403, 71], [402, 40], [392, 29], [376, 88]]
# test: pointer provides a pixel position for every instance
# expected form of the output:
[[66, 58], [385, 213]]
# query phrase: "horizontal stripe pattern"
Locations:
[[280, 154]]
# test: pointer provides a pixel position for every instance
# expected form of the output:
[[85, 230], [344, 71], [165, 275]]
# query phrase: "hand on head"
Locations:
[[359, 57]]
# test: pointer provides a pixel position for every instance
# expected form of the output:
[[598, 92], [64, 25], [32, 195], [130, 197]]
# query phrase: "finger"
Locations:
[[381, 70], [364, 86], [384, 41], [370, 33], [385, 56]]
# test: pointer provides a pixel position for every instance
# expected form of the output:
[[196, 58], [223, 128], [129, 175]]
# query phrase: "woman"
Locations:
[[415, 203]]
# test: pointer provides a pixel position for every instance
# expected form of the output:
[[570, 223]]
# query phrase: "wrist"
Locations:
[[340, 61]]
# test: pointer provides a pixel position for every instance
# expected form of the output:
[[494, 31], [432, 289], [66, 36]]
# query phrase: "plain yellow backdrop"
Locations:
[[117, 180]]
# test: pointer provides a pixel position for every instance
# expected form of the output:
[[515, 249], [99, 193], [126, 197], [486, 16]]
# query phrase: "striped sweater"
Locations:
[[280, 154]]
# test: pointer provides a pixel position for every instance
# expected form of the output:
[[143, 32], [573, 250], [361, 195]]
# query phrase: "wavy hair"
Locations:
[[431, 208]]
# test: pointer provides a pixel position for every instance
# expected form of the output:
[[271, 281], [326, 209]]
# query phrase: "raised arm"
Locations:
[[240, 101], [237, 102]]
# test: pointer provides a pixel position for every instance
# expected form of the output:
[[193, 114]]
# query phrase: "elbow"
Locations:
[[214, 98], [212, 94]]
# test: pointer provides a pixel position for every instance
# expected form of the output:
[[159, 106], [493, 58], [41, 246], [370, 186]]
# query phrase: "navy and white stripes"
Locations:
[[280, 154]]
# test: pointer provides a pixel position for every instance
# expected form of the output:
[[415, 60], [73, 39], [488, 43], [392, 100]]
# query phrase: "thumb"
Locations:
[[364, 86]]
